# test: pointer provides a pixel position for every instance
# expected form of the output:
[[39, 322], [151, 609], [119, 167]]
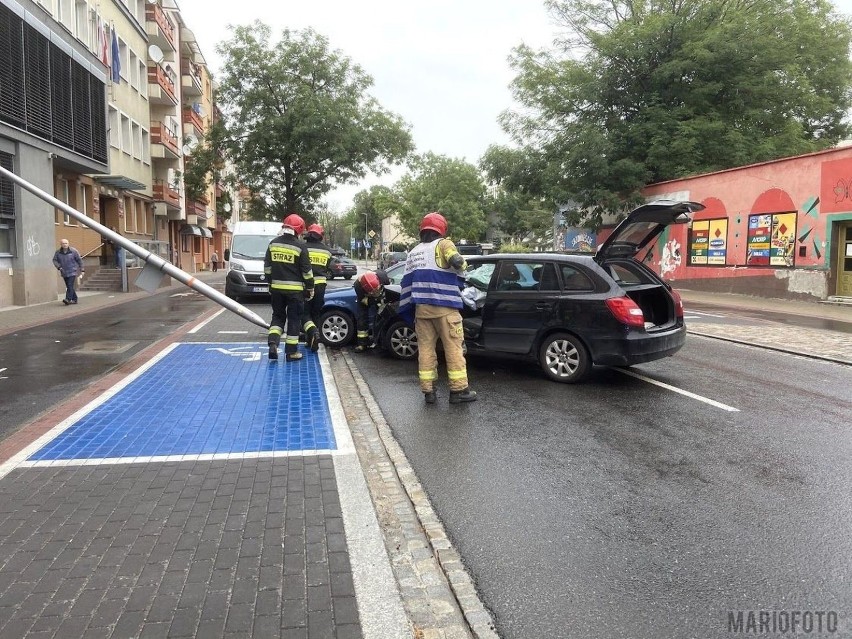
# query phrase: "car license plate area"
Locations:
[[259, 289]]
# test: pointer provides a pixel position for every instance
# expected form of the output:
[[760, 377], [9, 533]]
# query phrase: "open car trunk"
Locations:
[[656, 303]]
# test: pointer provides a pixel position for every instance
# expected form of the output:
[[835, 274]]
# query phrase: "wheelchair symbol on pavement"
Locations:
[[245, 352]]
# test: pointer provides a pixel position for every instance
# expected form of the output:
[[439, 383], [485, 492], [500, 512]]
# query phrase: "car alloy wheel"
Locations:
[[400, 341], [336, 328], [564, 358]]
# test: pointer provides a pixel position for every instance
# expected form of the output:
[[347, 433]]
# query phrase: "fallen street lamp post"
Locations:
[[154, 264]]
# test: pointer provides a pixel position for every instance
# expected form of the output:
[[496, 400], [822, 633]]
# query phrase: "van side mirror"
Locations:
[[227, 254]]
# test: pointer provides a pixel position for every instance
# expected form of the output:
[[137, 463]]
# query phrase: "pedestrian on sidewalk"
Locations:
[[369, 293], [291, 283], [215, 260], [431, 286], [320, 256], [68, 262]]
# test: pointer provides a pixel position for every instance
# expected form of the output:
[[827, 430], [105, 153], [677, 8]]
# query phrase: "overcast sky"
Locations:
[[439, 64]]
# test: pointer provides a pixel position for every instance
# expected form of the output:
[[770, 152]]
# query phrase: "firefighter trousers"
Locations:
[[447, 327]]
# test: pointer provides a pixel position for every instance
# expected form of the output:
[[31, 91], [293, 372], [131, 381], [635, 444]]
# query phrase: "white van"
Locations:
[[245, 257]]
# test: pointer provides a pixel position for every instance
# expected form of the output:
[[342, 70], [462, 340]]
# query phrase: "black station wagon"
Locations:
[[569, 312]]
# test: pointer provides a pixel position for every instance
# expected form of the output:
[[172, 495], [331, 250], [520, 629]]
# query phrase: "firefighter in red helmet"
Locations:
[[369, 291], [291, 282], [320, 256], [431, 285]]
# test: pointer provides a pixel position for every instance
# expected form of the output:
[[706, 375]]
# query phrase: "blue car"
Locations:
[[337, 324]]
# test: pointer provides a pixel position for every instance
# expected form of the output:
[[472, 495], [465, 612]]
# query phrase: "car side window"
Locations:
[[545, 275], [624, 275], [575, 280], [479, 274]]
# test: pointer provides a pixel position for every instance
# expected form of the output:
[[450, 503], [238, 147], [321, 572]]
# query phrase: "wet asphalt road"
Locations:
[[617, 508]]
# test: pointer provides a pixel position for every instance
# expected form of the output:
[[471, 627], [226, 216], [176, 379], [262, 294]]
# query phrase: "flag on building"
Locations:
[[116, 59], [103, 46]]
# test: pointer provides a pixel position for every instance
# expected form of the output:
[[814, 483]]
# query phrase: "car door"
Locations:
[[515, 306]]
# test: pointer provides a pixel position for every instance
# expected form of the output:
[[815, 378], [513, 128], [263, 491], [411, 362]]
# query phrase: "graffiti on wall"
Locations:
[[33, 247], [671, 257]]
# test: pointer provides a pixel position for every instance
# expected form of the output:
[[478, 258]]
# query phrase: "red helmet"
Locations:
[[295, 222], [371, 284], [434, 222], [317, 230]]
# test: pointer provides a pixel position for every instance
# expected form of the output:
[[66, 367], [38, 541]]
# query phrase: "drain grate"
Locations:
[[102, 347]]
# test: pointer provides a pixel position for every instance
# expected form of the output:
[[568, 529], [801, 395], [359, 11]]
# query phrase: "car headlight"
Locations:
[[238, 267]]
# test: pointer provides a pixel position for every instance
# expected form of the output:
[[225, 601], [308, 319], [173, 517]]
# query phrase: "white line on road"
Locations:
[[195, 329], [675, 389], [700, 314], [232, 332]]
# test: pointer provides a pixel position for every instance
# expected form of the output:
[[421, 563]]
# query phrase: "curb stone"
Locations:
[[451, 595]]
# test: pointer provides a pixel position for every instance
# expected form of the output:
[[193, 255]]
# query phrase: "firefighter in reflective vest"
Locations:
[[291, 282], [369, 292], [320, 256], [431, 284]]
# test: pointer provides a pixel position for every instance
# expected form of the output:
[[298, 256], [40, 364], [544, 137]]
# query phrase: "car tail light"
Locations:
[[678, 304], [626, 311]]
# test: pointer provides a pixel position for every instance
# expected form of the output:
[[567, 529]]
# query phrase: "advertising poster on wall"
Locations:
[[717, 254], [783, 239], [580, 240], [759, 231], [698, 247]]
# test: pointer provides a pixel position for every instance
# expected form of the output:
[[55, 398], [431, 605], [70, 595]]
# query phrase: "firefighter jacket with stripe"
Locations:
[[320, 256], [287, 265], [429, 279]]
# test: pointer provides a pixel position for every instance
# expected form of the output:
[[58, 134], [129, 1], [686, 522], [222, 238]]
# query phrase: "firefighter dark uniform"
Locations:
[[291, 282], [369, 292], [431, 284], [320, 256]]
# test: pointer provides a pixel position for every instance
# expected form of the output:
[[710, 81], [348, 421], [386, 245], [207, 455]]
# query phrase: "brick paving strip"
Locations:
[[437, 592]]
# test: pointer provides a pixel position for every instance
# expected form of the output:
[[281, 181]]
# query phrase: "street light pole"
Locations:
[[365, 240]]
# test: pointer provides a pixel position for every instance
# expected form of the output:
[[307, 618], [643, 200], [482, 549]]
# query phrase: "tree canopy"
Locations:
[[299, 118], [450, 186], [642, 91]]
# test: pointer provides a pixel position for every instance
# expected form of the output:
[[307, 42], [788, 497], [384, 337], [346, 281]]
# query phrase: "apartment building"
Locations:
[[101, 104]]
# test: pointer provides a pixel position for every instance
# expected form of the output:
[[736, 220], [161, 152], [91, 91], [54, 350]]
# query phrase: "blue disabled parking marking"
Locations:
[[206, 399]]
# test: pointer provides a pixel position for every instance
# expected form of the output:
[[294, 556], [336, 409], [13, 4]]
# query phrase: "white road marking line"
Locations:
[[197, 328], [147, 459], [680, 391], [702, 314], [232, 332]]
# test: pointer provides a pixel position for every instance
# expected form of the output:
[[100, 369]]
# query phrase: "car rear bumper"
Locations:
[[637, 347]]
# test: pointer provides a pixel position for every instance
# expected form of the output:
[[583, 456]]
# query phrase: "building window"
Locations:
[[114, 128], [81, 11], [146, 146], [7, 208], [63, 194], [137, 140], [708, 242], [126, 135], [771, 240]]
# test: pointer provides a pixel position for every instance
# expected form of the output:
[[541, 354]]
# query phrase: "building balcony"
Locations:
[[167, 195], [190, 75], [191, 118], [161, 86], [196, 207], [159, 28], [164, 142]]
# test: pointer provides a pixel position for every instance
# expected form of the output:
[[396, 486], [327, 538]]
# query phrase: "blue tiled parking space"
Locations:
[[206, 399]]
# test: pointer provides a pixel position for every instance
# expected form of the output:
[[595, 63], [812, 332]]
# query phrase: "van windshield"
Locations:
[[250, 247]]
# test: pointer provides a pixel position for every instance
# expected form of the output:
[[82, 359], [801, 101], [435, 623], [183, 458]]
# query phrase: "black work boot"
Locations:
[[462, 396], [312, 340], [273, 351], [430, 396]]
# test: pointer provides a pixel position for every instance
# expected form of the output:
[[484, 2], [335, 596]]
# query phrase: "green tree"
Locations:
[[299, 118], [641, 91], [452, 187]]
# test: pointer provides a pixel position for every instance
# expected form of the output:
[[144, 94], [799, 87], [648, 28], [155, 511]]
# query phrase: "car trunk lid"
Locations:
[[642, 226]]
